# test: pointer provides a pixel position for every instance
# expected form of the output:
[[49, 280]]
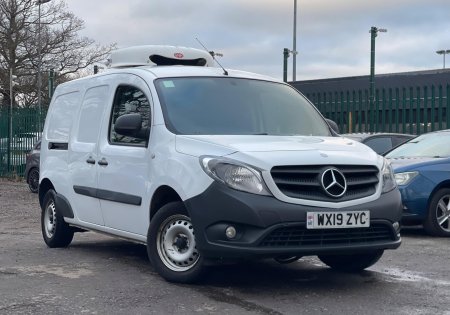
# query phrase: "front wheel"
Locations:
[[352, 262], [56, 232], [171, 245], [438, 217]]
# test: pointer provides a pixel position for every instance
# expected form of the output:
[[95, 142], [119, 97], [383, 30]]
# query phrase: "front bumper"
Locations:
[[269, 227], [415, 197]]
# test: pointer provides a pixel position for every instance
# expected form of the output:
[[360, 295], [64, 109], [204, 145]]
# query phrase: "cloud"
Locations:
[[333, 36]]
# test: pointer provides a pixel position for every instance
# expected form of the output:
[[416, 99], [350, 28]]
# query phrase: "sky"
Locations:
[[333, 37]]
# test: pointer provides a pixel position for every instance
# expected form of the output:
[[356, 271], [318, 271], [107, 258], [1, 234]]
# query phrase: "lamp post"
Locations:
[[373, 34], [39, 3], [12, 77], [443, 53], [294, 45]]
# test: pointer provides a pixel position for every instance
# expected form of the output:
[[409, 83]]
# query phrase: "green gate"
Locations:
[[18, 133]]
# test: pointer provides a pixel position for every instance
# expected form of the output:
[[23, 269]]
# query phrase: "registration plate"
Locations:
[[334, 220]]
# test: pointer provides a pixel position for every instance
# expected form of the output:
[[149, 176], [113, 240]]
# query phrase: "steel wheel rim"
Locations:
[[443, 213], [34, 180], [50, 219], [176, 243]]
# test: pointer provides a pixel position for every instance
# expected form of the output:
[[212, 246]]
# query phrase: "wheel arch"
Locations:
[[44, 187], [441, 185], [162, 196]]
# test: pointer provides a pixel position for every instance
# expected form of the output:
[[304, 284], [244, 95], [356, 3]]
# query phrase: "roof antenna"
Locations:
[[213, 54]]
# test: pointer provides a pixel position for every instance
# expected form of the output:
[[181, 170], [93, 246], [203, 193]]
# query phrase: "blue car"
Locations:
[[422, 172]]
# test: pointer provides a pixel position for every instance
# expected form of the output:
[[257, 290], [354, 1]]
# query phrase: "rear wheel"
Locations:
[[56, 232], [352, 262], [171, 245], [438, 217], [33, 180]]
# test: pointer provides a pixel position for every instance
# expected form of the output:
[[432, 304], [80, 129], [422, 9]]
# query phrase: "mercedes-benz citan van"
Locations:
[[204, 164]]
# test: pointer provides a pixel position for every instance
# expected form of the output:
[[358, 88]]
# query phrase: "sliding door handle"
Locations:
[[102, 162]]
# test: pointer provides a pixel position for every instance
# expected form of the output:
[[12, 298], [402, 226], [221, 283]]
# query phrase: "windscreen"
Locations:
[[427, 145], [234, 106]]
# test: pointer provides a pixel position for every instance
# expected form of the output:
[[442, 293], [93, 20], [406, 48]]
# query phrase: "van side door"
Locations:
[[123, 174], [83, 155]]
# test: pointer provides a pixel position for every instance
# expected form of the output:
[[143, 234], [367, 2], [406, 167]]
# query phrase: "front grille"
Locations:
[[304, 182], [299, 236]]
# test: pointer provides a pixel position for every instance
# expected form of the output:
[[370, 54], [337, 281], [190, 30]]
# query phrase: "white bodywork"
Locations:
[[79, 115]]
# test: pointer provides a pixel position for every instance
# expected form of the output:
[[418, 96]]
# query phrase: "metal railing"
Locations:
[[18, 134], [413, 110]]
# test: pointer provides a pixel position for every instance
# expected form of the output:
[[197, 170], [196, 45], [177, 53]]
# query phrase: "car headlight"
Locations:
[[405, 177], [387, 177], [234, 174]]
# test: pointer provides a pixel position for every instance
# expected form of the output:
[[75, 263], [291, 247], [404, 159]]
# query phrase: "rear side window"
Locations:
[[380, 145], [129, 100], [61, 118]]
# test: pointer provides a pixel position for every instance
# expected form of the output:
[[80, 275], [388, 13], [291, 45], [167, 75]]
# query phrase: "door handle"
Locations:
[[102, 162], [90, 160]]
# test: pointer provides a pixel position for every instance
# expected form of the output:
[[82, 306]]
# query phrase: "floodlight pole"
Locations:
[[373, 34], [294, 48], [443, 53]]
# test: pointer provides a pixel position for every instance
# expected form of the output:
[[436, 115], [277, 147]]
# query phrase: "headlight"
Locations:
[[234, 174], [387, 177], [405, 178]]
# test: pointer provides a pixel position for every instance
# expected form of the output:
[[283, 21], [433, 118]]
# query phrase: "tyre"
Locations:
[[171, 245], [33, 180], [438, 215], [352, 262], [56, 232]]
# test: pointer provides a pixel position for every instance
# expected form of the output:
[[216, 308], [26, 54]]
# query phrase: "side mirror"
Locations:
[[130, 125], [333, 125]]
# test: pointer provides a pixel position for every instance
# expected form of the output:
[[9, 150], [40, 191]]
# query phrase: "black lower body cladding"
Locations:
[[268, 227]]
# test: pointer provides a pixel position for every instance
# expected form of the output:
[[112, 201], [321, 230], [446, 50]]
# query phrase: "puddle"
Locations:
[[399, 275]]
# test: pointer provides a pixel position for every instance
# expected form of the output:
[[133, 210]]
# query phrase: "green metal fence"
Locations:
[[413, 110], [18, 134]]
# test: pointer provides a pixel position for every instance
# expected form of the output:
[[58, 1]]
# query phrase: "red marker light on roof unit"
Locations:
[[178, 55]]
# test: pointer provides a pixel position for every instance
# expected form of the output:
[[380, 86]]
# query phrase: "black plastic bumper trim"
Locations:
[[63, 205], [108, 195]]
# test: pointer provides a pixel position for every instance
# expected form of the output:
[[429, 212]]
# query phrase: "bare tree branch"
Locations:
[[62, 48]]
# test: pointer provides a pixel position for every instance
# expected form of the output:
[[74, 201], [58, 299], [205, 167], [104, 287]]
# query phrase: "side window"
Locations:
[[399, 140], [129, 100], [91, 114], [380, 144]]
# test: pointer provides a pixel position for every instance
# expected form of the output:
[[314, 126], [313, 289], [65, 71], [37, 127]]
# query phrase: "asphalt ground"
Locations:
[[98, 274]]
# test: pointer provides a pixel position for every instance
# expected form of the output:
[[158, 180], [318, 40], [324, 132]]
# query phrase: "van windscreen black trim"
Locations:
[[58, 145]]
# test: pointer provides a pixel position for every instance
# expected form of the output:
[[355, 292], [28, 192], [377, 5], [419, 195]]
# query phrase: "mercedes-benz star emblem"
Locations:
[[334, 183]]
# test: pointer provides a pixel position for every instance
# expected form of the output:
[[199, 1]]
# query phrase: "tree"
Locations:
[[62, 48]]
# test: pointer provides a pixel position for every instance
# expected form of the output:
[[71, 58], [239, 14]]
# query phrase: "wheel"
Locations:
[[56, 232], [171, 245], [438, 216], [33, 180], [352, 262], [287, 259]]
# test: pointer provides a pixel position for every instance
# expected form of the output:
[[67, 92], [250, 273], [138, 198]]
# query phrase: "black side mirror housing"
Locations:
[[130, 125]]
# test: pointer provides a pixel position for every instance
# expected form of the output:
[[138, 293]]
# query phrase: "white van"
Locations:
[[203, 164]]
